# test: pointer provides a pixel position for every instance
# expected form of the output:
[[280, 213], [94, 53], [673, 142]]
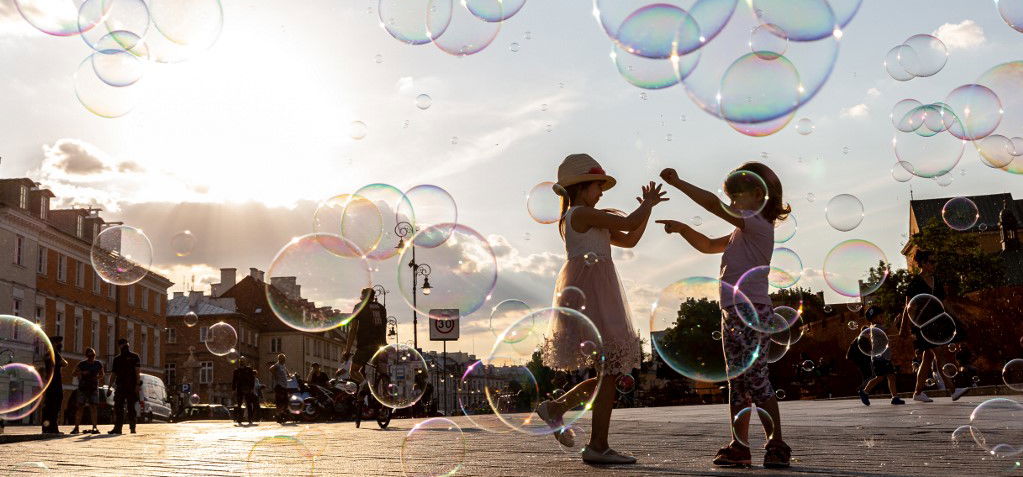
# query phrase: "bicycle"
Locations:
[[378, 411]]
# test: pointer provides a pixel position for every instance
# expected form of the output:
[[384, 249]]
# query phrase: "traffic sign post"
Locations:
[[444, 328], [186, 388]]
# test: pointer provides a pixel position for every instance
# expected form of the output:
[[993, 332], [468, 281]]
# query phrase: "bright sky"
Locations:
[[239, 143]]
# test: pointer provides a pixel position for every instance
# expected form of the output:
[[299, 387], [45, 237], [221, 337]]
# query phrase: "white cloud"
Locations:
[[873, 93], [960, 36], [198, 276], [857, 111], [509, 259]]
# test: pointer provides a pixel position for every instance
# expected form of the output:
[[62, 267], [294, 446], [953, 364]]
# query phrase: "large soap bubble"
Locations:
[[682, 322], [659, 31], [434, 209], [1012, 374], [354, 218], [567, 340], [923, 56], [23, 346], [844, 212], [455, 30], [978, 110], [434, 447], [872, 341], [95, 92], [397, 376], [57, 18], [494, 10], [121, 255], [804, 20], [405, 20], [389, 200], [1006, 81], [461, 271], [960, 213], [855, 268], [315, 282], [743, 194], [221, 339], [543, 202], [997, 426]]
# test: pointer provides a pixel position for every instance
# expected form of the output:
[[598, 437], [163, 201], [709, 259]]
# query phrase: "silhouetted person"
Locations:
[[54, 393], [244, 384], [125, 370], [89, 373], [279, 383], [368, 331], [317, 377]]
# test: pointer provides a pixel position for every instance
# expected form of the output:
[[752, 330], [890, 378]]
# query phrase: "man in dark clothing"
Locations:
[[125, 372], [369, 332], [317, 377], [89, 373], [244, 384], [54, 393]]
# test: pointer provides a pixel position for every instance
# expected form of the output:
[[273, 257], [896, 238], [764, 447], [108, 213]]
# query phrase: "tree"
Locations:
[[959, 261]]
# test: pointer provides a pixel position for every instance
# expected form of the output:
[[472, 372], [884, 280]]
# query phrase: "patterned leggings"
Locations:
[[740, 343]]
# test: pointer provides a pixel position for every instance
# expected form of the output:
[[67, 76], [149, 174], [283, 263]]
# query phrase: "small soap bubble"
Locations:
[[378, 58], [808, 365], [642, 95], [513, 47]]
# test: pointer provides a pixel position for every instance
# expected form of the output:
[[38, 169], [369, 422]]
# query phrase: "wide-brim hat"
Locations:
[[579, 168]]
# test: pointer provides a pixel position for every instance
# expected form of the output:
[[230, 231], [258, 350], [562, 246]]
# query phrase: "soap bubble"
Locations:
[[232, 356], [697, 221], [388, 200], [507, 312], [53, 18], [117, 67], [996, 151], [960, 213], [435, 211], [774, 94], [456, 31], [893, 65], [847, 268], [930, 382], [472, 399], [786, 268], [182, 243], [803, 21], [873, 341], [780, 394], [331, 272], [902, 171], [295, 404], [682, 320], [998, 427], [98, 18], [785, 229], [978, 110], [568, 341], [194, 399], [121, 255], [741, 421], [770, 39], [659, 31], [397, 376], [29, 346], [805, 126], [495, 10], [1012, 374], [844, 212], [357, 220], [923, 56], [950, 370], [271, 454], [434, 447], [903, 115], [97, 95], [579, 440], [1012, 13], [221, 339], [852, 325], [743, 194], [962, 435], [808, 365], [405, 20], [932, 154], [855, 307], [357, 130], [513, 47], [424, 101], [462, 270], [650, 73], [544, 202], [191, 319], [191, 25], [625, 383], [571, 297]]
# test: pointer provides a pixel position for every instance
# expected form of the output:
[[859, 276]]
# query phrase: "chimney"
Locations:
[[179, 294], [286, 285], [194, 298], [227, 280], [256, 273]]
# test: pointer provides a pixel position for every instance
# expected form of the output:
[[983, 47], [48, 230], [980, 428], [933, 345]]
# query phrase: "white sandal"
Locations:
[[566, 439]]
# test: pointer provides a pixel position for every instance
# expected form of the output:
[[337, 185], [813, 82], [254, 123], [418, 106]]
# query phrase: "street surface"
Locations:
[[839, 437]]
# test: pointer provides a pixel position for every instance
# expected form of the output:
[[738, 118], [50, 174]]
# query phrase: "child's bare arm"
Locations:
[[703, 198], [588, 217], [699, 241]]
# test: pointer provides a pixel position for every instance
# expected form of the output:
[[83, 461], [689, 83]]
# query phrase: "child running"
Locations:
[[753, 212], [589, 233]]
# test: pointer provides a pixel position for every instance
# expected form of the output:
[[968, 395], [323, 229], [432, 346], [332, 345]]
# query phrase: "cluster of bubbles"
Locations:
[[23, 346], [123, 38], [919, 56], [751, 64], [996, 427], [927, 313], [458, 28]]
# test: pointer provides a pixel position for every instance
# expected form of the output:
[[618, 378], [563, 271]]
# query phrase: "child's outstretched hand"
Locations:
[[652, 195], [671, 226], [669, 175]]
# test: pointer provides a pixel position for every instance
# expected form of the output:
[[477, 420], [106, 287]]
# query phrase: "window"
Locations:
[[159, 303], [79, 274], [156, 348], [111, 290], [96, 282], [131, 294], [41, 261], [171, 373], [44, 207], [79, 332], [61, 268], [130, 335], [172, 336], [275, 345], [145, 298], [145, 345], [205, 372], [203, 330], [95, 334], [78, 226], [41, 316], [19, 250], [111, 336], [59, 329], [23, 198], [16, 307]]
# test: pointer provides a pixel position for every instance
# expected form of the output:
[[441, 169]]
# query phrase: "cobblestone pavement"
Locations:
[[839, 437]]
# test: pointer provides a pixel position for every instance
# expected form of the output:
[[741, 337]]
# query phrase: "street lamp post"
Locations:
[[403, 230]]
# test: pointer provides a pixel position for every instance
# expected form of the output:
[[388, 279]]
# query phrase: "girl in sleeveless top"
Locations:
[[589, 234]]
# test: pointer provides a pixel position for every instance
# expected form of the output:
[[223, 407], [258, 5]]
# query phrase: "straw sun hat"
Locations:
[[578, 168]]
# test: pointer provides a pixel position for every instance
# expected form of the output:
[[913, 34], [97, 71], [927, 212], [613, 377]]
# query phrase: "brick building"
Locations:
[[261, 335], [49, 279]]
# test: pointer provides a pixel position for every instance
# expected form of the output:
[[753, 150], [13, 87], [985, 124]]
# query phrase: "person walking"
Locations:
[[54, 394], [279, 383], [243, 382], [89, 373], [881, 366], [125, 376], [587, 231]]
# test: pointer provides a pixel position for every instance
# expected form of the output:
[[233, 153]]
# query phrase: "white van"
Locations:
[[153, 400]]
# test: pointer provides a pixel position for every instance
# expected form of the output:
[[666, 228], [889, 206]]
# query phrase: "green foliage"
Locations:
[[891, 295], [959, 261], [544, 375]]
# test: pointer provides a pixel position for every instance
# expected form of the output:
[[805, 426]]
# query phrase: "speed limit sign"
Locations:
[[444, 325]]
